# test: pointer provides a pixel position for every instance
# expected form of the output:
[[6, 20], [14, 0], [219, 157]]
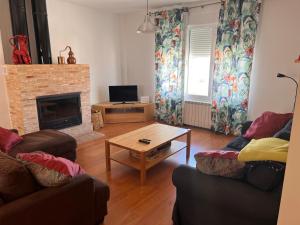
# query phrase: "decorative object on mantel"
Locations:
[[280, 75], [147, 26], [61, 59], [70, 60], [20, 49]]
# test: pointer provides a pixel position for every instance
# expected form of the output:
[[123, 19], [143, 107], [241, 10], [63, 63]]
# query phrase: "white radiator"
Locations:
[[197, 114]]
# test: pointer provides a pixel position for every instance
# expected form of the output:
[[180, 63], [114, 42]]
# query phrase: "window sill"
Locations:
[[197, 102]]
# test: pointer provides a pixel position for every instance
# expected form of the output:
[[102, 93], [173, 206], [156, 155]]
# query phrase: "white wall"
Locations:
[[290, 202], [4, 115], [138, 49], [4, 109], [137, 55], [207, 15], [1, 53], [6, 30], [95, 39], [277, 46]]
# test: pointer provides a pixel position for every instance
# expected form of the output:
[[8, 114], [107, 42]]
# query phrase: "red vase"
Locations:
[[20, 49]]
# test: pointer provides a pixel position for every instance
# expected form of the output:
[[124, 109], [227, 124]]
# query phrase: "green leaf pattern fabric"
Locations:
[[169, 66], [238, 22]]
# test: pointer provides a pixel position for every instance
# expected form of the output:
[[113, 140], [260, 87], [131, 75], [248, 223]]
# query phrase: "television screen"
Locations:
[[126, 93]]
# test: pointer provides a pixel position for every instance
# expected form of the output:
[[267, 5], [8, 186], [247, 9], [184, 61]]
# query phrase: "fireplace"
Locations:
[[59, 111], [27, 83]]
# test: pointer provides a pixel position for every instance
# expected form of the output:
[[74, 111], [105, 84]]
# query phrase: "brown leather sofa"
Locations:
[[83, 201]]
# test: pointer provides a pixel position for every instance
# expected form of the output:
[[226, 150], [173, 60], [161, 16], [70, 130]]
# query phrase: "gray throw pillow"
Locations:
[[285, 132]]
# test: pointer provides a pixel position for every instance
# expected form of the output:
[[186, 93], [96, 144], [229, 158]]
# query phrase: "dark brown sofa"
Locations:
[[212, 200], [81, 202]]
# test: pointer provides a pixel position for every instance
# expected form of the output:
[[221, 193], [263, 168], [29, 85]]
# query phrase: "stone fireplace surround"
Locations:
[[24, 83]]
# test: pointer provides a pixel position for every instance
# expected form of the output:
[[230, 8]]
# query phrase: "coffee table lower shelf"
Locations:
[[125, 158]]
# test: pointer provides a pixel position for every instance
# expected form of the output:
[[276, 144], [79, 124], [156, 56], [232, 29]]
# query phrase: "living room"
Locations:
[[209, 123]]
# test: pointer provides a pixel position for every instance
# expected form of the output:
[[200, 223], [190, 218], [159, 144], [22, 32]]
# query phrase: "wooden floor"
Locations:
[[130, 203]]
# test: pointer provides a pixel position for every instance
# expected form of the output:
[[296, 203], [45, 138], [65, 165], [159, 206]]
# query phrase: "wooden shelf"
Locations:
[[125, 158], [124, 113]]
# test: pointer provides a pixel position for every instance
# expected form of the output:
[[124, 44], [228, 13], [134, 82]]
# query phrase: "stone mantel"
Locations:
[[24, 83]]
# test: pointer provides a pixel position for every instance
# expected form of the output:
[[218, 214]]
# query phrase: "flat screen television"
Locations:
[[123, 94]]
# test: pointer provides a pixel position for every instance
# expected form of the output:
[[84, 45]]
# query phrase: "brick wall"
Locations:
[[27, 82]]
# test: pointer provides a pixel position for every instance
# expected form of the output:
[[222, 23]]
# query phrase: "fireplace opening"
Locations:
[[59, 111]]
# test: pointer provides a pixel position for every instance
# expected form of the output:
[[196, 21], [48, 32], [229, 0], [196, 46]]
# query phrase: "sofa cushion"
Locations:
[[238, 143], [50, 171], [265, 175], [15, 180], [220, 163], [267, 125], [8, 139], [274, 149], [50, 141], [1, 202], [285, 132]]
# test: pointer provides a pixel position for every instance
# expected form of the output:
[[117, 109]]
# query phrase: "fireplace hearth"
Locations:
[[59, 111]]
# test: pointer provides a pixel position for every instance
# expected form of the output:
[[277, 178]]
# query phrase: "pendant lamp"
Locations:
[[147, 26]]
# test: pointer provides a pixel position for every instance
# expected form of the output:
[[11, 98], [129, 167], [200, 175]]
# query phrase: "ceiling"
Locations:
[[121, 6]]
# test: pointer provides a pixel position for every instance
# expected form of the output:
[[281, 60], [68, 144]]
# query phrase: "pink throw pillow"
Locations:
[[267, 125], [8, 139], [50, 171]]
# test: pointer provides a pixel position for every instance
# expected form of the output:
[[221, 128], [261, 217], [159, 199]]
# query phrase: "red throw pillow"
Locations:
[[267, 125], [50, 171], [8, 139]]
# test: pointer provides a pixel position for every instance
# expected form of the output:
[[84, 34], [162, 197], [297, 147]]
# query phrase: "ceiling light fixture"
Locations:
[[147, 26]]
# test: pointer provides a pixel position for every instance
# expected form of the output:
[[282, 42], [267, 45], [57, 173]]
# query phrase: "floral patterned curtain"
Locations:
[[169, 66], [237, 29]]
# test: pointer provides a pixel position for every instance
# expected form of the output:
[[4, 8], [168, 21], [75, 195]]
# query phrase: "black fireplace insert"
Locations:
[[59, 111]]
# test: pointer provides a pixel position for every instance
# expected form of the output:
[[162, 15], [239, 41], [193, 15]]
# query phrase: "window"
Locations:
[[199, 66]]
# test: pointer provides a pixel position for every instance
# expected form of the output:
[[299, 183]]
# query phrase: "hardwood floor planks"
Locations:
[[130, 203]]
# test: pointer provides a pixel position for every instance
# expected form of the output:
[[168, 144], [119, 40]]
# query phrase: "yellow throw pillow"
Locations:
[[273, 149]]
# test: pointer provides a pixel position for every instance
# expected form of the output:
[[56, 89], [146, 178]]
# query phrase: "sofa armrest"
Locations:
[[102, 195], [246, 126], [227, 199], [72, 203]]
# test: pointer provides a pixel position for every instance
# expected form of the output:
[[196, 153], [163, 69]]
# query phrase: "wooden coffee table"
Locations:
[[159, 135]]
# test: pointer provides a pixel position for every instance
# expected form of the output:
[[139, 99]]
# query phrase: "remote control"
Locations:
[[145, 141]]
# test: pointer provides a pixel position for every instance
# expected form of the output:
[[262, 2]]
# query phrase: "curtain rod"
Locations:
[[194, 7]]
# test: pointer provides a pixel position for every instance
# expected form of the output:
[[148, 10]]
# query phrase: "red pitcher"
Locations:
[[20, 49]]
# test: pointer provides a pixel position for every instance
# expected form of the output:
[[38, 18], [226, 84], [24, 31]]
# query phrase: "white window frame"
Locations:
[[199, 98]]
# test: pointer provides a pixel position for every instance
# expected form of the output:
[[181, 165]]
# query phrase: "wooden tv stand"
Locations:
[[128, 112]]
